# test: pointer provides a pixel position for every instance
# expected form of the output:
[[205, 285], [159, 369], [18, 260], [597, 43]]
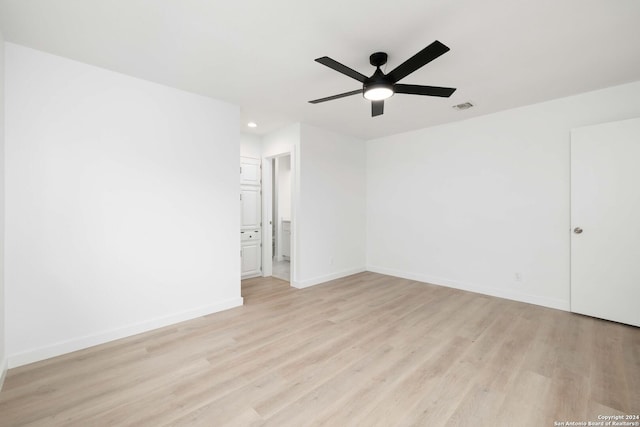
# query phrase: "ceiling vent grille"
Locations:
[[464, 106]]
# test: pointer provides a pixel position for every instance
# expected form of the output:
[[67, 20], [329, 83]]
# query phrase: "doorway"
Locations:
[[605, 234], [281, 217], [278, 202]]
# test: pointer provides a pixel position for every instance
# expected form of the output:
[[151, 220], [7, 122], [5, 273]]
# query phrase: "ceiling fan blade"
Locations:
[[377, 108], [418, 60], [342, 95], [444, 92], [333, 64]]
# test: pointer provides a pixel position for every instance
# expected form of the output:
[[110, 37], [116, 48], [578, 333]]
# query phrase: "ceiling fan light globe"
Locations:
[[378, 93]]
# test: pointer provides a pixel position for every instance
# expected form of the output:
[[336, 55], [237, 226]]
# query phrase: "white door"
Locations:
[[605, 221], [249, 171], [250, 208]]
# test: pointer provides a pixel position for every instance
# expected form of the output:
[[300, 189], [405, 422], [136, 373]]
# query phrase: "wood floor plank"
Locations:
[[367, 349]]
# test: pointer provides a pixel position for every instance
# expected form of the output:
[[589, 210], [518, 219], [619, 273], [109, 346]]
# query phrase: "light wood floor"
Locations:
[[367, 350]]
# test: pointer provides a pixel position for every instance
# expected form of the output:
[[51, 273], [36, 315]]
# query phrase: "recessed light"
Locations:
[[252, 125]]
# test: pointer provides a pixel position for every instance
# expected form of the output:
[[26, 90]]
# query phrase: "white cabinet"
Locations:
[[250, 171], [251, 259], [250, 217], [251, 251], [250, 207]]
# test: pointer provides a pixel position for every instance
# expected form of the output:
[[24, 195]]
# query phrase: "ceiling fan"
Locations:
[[381, 86]]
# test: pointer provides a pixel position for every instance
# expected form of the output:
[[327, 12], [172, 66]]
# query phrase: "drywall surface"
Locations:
[[250, 146], [285, 140], [332, 228], [122, 211], [483, 204]]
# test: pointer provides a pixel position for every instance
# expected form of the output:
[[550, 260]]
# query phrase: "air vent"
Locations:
[[463, 106]]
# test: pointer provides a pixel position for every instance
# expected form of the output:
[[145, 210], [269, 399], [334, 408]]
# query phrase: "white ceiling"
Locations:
[[259, 54]]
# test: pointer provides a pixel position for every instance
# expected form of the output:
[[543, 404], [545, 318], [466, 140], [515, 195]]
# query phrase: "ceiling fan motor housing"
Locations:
[[378, 59]]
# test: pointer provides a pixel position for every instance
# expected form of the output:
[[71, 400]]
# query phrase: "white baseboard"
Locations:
[[3, 371], [471, 287], [321, 279], [75, 344]]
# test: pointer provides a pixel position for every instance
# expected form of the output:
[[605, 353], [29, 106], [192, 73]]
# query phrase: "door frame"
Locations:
[[590, 179], [267, 221]]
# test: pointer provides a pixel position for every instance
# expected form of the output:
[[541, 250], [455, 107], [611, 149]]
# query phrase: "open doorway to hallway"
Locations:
[[281, 217]]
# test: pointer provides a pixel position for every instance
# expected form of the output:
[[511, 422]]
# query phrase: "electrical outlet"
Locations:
[[518, 277], [331, 261]]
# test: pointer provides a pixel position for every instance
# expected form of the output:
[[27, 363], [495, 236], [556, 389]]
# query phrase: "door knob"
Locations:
[[577, 230]]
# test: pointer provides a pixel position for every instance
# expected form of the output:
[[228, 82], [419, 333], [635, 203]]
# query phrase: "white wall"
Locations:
[[332, 227], [285, 140], [472, 203], [3, 352], [250, 146], [122, 211]]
